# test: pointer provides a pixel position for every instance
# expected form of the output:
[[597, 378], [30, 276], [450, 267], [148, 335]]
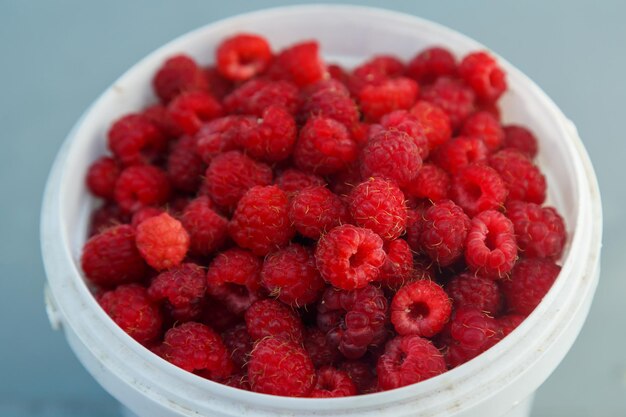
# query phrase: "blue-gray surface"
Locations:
[[56, 57]]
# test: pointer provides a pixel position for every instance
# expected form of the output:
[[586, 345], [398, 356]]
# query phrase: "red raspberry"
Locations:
[[219, 135], [337, 72], [324, 146], [489, 107], [444, 228], [353, 320], [185, 168], [491, 249], [141, 186], [486, 127], [342, 182], [453, 97], [460, 152], [231, 175], [261, 221], [243, 56], [530, 281], [329, 85], [157, 114], [408, 360], [162, 241], [333, 383], [420, 308], [234, 278], [111, 257], [477, 188], [239, 381], [481, 72], [189, 110], [104, 217], [292, 181], [330, 102], [178, 74], [391, 154], [290, 274], [509, 322], [316, 210], [469, 290], [183, 288], [522, 178], [219, 86], [379, 68], [430, 64], [398, 267], [207, 229], [378, 205], [134, 139], [471, 332], [256, 95], [101, 177], [520, 138], [299, 63], [378, 99], [271, 318], [434, 121], [196, 347], [132, 310], [404, 121], [239, 344], [362, 374], [540, 231], [270, 138], [431, 182], [280, 367], [322, 353], [349, 257]]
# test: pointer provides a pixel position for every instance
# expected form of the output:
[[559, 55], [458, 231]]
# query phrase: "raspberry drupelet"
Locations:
[[332, 383], [183, 288], [529, 282], [316, 210], [420, 308], [243, 56], [540, 231], [162, 241], [271, 318]]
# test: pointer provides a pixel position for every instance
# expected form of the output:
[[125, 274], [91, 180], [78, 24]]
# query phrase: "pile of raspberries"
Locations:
[[291, 227]]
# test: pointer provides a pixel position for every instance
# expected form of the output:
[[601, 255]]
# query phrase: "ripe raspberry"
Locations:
[[523, 179], [190, 109], [219, 135], [509, 322], [131, 309], [342, 182], [111, 257], [378, 205], [195, 347], [239, 344], [256, 95], [243, 56], [324, 146], [430, 64], [141, 186], [434, 121], [491, 249], [104, 217], [530, 281], [398, 267], [485, 126], [469, 290], [460, 152], [431, 182], [182, 288], [349, 257], [300, 63], [471, 332], [420, 308], [219, 86], [520, 138], [271, 318], [234, 278], [444, 228], [540, 231], [157, 114], [408, 360], [178, 74], [290, 274], [322, 353], [376, 100], [231, 175], [292, 181], [379, 68], [405, 122], [362, 374], [330, 104], [261, 221], [393, 155], [453, 97], [134, 139], [353, 320], [481, 72], [270, 138], [239, 381], [477, 188], [162, 241], [184, 166], [337, 72], [101, 177], [332, 383], [207, 229]]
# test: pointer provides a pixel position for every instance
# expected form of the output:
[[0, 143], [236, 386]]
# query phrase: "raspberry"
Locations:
[[444, 228], [430, 64], [491, 249], [292, 181], [460, 152], [330, 102], [207, 229], [378, 99], [530, 281], [378, 205], [234, 278], [131, 309], [332, 383], [157, 114], [271, 318], [420, 308], [261, 221], [184, 166], [239, 344], [190, 109], [324, 146], [104, 217], [300, 63], [522, 178], [217, 315], [405, 122], [243, 56], [337, 72], [471, 332], [316, 210], [509, 322], [408, 360], [398, 267], [362, 374], [520, 138], [162, 241], [111, 257], [256, 95], [453, 97], [379, 68], [431, 182], [134, 139], [290, 274], [231, 175], [101, 177], [178, 74], [219, 86], [434, 121], [183, 288], [469, 290], [393, 155], [477, 188], [342, 182], [195, 347], [141, 186], [353, 320], [540, 231], [322, 353], [485, 126], [481, 72], [349, 257], [219, 135], [272, 137]]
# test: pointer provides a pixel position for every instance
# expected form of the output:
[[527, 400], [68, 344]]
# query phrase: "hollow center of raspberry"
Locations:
[[358, 258], [473, 191], [490, 241], [418, 311]]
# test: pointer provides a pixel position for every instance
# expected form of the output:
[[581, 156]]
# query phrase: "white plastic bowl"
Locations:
[[499, 382]]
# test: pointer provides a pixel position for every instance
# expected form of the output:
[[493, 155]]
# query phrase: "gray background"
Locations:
[[56, 57]]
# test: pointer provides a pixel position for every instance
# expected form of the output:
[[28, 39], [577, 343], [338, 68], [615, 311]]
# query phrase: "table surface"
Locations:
[[58, 56]]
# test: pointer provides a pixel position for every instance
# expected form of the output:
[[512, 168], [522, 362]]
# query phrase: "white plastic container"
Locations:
[[499, 382]]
